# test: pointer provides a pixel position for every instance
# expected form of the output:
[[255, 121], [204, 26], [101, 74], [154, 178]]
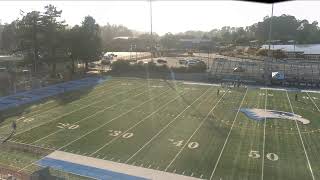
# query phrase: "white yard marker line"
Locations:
[[92, 115], [56, 107], [313, 101], [199, 126], [165, 127], [111, 120], [142, 120], [31, 145], [264, 135], [63, 115], [226, 141], [305, 152]]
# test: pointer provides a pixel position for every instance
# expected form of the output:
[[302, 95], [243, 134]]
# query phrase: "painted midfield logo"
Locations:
[[260, 114]]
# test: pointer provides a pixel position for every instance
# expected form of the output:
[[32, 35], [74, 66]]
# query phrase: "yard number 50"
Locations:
[[270, 156]]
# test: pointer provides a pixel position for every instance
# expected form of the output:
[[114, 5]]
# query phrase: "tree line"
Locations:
[[43, 37]]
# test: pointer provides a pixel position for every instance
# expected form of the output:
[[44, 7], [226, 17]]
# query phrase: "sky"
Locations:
[[167, 16]]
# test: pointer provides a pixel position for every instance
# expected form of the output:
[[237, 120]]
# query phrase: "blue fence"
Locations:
[[34, 95]]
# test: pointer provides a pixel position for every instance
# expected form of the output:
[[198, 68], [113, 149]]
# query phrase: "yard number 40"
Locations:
[[270, 156]]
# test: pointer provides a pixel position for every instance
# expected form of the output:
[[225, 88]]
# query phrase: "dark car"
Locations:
[[161, 61]]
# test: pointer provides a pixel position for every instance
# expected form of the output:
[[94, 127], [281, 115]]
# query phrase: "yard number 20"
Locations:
[[270, 156]]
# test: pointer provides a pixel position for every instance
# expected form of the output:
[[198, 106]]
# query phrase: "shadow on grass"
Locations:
[[57, 100]]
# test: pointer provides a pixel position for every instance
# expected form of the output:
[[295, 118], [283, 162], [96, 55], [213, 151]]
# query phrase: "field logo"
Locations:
[[260, 114]]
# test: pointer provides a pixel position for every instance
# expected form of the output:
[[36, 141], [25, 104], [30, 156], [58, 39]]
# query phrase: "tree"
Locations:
[[91, 48], [29, 35], [169, 41], [74, 45], [108, 32], [52, 35], [9, 41]]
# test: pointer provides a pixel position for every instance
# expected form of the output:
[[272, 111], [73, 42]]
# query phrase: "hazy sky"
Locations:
[[168, 16]]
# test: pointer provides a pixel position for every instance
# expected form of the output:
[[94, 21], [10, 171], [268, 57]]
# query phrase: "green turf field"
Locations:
[[179, 128]]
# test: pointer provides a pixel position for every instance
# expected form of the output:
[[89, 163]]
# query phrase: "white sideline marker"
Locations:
[[264, 135], [199, 126], [313, 102], [166, 126], [226, 141], [305, 152]]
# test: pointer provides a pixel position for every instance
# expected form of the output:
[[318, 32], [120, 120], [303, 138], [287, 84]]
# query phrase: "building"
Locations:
[[312, 56], [195, 43], [294, 54]]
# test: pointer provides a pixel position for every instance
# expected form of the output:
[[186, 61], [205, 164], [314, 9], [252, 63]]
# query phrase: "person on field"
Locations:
[[296, 97], [218, 92], [14, 125]]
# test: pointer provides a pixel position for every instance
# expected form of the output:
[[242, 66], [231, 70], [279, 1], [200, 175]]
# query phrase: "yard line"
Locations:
[[94, 114], [264, 135], [199, 126], [313, 102], [117, 137], [305, 152], [111, 120], [155, 136], [226, 141], [55, 107], [46, 122], [31, 145]]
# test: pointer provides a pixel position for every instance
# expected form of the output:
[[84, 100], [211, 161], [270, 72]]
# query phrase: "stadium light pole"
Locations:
[[266, 64], [151, 30]]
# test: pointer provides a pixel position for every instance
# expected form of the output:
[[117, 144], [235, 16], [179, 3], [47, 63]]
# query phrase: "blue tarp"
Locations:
[[34, 95], [84, 170]]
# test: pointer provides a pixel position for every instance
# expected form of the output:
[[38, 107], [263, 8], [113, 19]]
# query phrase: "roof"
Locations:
[[305, 48], [124, 37], [7, 58], [195, 40]]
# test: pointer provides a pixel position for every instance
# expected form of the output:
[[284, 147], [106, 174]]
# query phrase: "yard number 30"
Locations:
[[270, 156]]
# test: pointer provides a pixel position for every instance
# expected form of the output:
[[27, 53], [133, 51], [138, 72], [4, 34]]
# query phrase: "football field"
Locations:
[[181, 128]]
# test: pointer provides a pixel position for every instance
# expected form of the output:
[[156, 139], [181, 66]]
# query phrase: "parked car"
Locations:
[[105, 62], [161, 61], [182, 61]]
